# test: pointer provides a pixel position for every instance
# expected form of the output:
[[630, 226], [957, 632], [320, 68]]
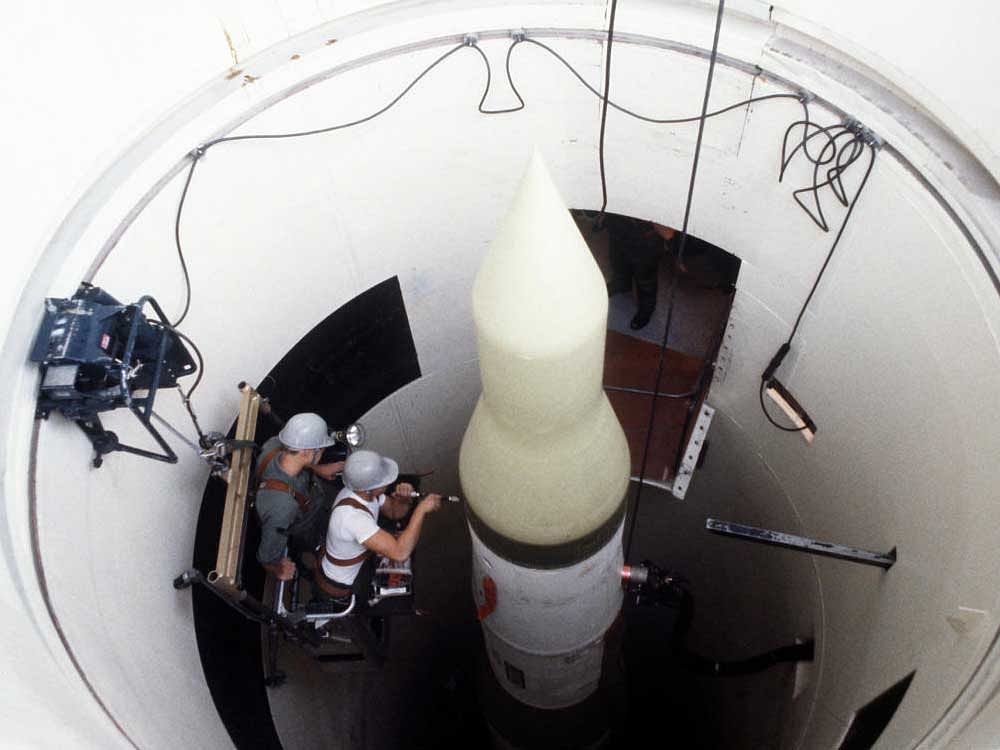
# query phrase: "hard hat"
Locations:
[[366, 470], [304, 432]]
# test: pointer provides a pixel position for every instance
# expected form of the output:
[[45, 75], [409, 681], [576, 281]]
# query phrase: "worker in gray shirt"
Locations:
[[291, 505]]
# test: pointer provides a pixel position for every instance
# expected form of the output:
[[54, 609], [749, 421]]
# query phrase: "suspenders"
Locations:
[[303, 503], [360, 558], [277, 484], [322, 579]]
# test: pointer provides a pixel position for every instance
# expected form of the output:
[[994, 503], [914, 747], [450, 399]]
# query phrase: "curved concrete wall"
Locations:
[[896, 360]]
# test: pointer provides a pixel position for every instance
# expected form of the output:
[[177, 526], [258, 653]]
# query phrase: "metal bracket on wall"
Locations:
[[724, 358], [802, 544], [692, 452]]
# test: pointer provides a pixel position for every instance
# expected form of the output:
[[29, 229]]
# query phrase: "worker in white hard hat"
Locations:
[[353, 533], [291, 506]]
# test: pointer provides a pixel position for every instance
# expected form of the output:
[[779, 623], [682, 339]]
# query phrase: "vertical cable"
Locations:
[[678, 258], [604, 104]]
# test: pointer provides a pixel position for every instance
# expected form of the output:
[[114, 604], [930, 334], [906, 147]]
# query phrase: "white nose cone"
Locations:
[[539, 292], [544, 460]]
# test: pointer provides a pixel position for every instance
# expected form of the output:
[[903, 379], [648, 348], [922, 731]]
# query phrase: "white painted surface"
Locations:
[[549, 624], [897, 359]]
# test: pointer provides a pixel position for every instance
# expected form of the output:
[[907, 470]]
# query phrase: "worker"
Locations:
[[353, 534], [635, 248], [291, 505]]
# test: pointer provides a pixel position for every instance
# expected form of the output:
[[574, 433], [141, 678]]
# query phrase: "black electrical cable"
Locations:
[[604, 108], [763, 408], [836, 242], [352, 123], [678, 259], [663, 589], [489, 78], [666, 120], [186, 397], [199, 152], [177, 241], [704, 665], [857, 147]]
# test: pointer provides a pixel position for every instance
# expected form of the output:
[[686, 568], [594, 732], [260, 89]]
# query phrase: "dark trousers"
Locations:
[[643, 267], [365, 630]]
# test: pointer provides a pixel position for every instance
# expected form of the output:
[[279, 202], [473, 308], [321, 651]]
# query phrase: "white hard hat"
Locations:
[[366, 470], [305, 431]]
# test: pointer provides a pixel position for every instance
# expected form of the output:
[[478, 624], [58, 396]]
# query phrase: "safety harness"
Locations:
[[276, 484], [328, 585]]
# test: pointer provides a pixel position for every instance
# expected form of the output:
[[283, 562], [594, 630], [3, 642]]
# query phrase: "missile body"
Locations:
[[544, 462]]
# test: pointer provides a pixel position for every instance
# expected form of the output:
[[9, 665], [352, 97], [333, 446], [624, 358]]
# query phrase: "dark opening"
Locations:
[[642, 262], [872, 718]]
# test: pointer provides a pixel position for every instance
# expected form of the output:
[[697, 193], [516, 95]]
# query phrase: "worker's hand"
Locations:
[[403, 490], [285, 569], [430, 503], [395, 507], [328, 471]]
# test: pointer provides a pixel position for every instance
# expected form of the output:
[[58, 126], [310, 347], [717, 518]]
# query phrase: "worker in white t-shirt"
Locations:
[[353, 533]]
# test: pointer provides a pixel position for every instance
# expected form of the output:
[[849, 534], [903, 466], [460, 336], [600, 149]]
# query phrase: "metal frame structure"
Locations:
[[86, 414]]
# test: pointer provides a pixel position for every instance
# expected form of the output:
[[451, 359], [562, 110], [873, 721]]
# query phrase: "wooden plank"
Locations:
[[233, 517]]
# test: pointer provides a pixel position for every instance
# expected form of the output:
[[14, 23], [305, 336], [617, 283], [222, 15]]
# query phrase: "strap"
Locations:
[[275, 484], [266, 460], [326, 583], [350, 501], [346, 563], [355, 504]]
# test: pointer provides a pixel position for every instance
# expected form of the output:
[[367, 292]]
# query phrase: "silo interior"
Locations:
[[335, 269]]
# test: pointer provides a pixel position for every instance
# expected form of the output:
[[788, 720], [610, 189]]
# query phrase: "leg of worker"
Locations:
[[646, 283], [361, 620], [621, 270]]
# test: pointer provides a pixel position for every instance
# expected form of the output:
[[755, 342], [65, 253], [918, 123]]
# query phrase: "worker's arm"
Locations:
[[276, 513], [401, 548], [327, 471], [283, 568], [397, 505]]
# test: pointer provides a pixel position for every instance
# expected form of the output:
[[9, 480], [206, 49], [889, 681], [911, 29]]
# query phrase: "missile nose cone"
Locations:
[[544, 460], [539, 290]]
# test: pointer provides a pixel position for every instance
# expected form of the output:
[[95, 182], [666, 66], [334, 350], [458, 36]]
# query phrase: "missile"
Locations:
[[544, 462]]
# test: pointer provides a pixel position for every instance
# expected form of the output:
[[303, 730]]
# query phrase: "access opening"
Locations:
[[654, 285]]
